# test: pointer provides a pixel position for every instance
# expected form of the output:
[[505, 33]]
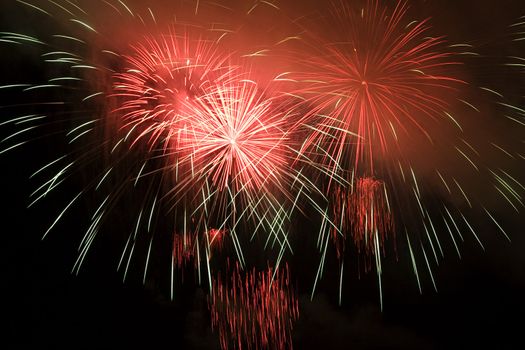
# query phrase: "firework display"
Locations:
[[209, 136]]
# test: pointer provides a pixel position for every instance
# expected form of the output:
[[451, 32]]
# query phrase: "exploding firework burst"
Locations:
[[221, 140], [236, 139], [378, 77]]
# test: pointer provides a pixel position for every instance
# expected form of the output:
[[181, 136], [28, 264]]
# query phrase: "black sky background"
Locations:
[[479, 303]]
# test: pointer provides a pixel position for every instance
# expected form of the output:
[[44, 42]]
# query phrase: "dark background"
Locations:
[[479, 302]]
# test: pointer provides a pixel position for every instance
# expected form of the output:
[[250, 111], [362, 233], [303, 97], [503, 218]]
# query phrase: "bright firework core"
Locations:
[[235, 135]]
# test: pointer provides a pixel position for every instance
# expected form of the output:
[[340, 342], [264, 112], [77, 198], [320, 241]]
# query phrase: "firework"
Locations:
[[183, 249], [254, 310], [161, 78], [376, 79], [363, 213], [217, 238], [236, 138]]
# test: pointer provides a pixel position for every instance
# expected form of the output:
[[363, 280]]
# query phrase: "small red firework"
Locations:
[[254, 310], [216, 238], [184, 247], [363, 213]]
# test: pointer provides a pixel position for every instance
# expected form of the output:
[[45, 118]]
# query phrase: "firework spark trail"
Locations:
[[516, 113], [362, 211], [254, 310]]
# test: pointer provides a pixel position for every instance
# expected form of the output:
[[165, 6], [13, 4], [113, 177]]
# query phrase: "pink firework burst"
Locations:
[[232, 154], [222, 140], [237, 136], [161, 78]]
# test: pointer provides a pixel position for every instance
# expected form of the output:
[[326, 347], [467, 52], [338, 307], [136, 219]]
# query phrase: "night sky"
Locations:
[[479, 302]]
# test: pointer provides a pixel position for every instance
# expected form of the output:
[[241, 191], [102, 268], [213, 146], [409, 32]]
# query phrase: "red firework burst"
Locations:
[[223, 140], [254, 310], [379, 76]]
